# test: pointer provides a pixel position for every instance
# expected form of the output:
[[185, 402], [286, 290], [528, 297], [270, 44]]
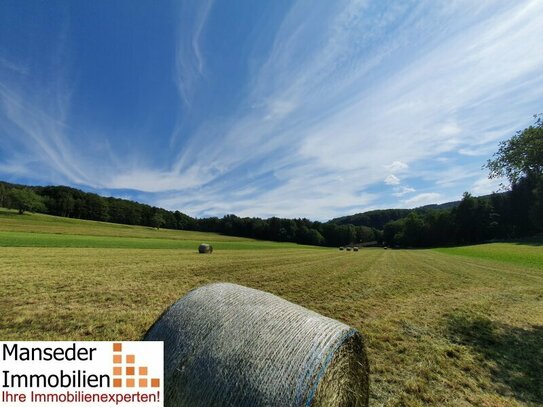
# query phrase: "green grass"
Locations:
[[36, 230], [22, 239], [527, 255], [11, 221], [442, 328]]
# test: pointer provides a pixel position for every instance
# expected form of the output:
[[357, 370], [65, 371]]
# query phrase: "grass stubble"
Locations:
[[453, 328]]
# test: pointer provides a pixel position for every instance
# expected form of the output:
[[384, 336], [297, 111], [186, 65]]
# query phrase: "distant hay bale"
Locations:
[[205, 248], [355, 249], [228, 345], [348, 249], [341, 248]]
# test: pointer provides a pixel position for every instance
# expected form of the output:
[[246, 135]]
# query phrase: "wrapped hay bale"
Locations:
[[205, 248], [228, 345]]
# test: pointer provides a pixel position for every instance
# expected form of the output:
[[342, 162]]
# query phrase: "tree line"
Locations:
[[74, 203], [511, 215], [514, 214]]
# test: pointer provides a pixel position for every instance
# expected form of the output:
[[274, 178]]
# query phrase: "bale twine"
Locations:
[[205, 248], [228, 345]]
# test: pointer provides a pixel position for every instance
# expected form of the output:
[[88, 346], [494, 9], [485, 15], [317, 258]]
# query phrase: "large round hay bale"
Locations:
[[205, 248], [228, 345], [355, 249]]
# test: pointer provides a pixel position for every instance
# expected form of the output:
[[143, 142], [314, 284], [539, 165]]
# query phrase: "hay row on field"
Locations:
[[228, 345], [349, 248]]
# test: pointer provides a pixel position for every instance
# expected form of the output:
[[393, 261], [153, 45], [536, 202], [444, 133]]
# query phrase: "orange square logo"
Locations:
[[129, 374]]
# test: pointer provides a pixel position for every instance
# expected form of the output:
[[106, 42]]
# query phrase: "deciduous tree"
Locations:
[[158, 220], [25, 200], [521, 156]]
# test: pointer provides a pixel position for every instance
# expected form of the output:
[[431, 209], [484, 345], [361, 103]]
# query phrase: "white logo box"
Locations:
[[88, 374]]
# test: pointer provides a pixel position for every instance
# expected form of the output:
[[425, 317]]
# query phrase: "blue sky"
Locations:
[[282, 108]]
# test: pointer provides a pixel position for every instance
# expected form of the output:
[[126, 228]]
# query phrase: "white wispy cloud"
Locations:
[[334, 142], [151, 180], [423, 199], [190, 62], [397, 166], [485, 186], [20, 69], [36, 132], [403, 190], [326, 192], [392, 180], [485, 150]]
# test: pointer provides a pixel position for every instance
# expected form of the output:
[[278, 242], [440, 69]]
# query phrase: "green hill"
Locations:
[[38, 230]]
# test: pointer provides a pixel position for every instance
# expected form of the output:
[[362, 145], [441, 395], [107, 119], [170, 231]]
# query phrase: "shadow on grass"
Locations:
[[532, 241], [516, 354], [7, 212], [14, 212]]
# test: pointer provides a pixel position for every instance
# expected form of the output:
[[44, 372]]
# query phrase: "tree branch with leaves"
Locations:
[[521, 156]]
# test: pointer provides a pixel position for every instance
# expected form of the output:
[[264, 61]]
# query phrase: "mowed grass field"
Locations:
[[446, 327]]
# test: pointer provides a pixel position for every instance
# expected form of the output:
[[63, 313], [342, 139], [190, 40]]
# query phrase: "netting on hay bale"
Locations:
[[228, 345], [205, 248]]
